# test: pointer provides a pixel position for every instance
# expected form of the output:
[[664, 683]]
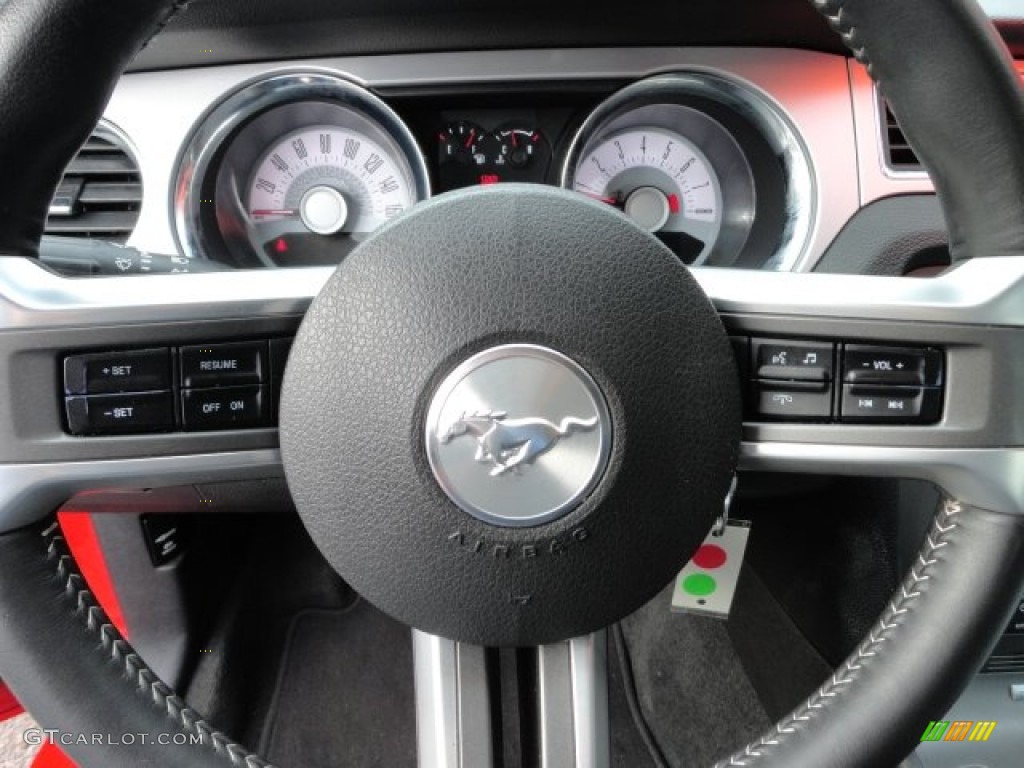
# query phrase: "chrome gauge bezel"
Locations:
[[265, 97], [661, 101]]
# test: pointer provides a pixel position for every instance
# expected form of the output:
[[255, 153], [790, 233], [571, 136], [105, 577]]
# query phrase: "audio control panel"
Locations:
[[805, 380]]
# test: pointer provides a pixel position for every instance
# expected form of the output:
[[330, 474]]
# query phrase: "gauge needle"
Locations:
[[471, 139], [601, 198], [275, 212]]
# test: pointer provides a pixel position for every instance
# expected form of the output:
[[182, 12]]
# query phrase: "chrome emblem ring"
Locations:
[[518, 435]]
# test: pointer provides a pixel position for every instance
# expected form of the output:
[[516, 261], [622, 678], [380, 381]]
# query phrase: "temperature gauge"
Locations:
[[518, 147]]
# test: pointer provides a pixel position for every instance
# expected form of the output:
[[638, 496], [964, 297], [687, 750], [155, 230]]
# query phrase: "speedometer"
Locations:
[[323, 181], [661, 181], [295, 170]]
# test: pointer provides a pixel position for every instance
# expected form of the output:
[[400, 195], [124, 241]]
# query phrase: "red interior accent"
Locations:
[[9, 706], [51, 756], [80, 534]]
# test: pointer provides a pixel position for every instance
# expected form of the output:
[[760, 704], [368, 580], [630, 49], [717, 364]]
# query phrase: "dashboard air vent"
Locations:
[[898, 152], [100, 193]]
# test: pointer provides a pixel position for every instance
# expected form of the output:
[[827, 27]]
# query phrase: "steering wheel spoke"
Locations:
[[459, 703], [972, 314]]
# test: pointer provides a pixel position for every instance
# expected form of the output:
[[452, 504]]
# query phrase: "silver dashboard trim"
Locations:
[[984, 478], [30, 491], [986, 291], [159, 110]]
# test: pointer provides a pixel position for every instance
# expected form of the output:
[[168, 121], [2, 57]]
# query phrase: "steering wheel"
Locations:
[[461, 348]]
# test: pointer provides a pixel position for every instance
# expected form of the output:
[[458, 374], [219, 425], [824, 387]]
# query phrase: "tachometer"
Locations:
[[661, 181], [704, 164]]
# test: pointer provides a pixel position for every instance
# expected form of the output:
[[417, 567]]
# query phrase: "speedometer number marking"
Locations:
[[373, 163], [300, 149], [325, 143], [390, 184], [279, 162], [266, 186], [352, 148]]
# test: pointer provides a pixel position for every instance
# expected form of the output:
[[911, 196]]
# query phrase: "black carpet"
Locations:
[[695, 696], [344, 693]]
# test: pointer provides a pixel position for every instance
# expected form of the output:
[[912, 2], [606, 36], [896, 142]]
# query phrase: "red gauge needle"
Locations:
[[471, 139], [275, 212], [601, 198]]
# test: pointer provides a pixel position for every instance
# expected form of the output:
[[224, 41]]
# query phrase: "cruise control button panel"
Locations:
[[215, 386], [808, 380]]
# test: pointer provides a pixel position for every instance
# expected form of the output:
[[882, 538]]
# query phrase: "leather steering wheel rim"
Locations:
[[937, 629]]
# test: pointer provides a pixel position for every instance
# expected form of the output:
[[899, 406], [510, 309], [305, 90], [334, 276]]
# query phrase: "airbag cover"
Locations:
[[510, 266]]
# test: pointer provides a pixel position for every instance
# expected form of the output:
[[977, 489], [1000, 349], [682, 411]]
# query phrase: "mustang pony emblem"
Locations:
[[507, 443]]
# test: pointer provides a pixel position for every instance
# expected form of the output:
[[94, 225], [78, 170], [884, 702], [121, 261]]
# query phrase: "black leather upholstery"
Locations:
[[937, 631], [72, 670], [951, 83], [59, 62]]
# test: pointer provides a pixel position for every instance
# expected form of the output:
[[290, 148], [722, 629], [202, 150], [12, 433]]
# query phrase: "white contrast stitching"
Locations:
[[887, 625], [135, 668]]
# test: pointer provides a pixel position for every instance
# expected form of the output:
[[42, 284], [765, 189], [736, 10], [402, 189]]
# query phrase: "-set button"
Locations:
[[224, 408], [143, 370], [219, 365], [120, 414]]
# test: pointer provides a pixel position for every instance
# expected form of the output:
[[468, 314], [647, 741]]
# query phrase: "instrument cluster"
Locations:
[[298, 168]]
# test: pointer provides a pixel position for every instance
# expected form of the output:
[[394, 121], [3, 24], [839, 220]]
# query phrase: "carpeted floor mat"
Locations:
[[344, 693], [694, 694]]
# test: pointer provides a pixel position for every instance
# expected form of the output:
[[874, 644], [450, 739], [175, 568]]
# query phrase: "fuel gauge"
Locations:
[[462, 142]]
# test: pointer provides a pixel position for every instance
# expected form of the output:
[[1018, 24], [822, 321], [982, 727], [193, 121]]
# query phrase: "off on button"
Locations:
[[226, 408]]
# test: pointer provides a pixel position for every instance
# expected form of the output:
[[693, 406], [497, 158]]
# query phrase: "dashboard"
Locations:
[[740, 157]]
